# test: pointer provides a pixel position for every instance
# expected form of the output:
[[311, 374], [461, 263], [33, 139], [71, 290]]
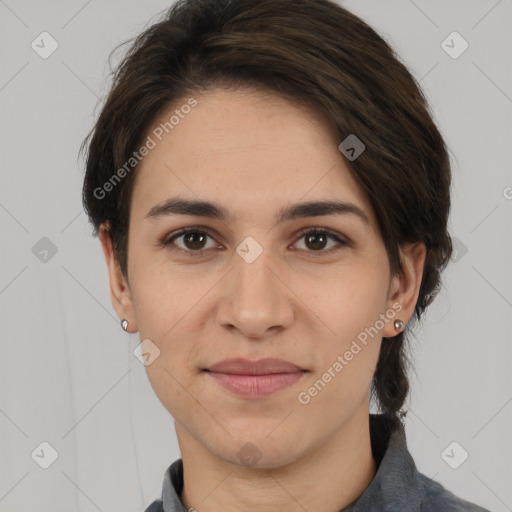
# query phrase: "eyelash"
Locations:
[[168, 240]]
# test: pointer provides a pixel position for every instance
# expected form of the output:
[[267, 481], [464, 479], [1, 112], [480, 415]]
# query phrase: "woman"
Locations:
[[272, 196]]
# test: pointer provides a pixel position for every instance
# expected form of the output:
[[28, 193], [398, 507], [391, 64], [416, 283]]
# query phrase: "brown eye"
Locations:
[[193, 240], [316, 239]]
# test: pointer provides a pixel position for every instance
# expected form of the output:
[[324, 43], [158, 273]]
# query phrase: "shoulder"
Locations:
[[436, 497], [156, 506]]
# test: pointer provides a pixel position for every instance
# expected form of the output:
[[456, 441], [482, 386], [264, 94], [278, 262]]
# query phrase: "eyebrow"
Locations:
[[182, 206]]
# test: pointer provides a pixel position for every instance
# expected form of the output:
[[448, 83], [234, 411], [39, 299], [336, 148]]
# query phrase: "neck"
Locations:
[[328, 479]]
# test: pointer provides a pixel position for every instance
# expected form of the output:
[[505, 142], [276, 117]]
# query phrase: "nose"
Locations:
[[255, 298]]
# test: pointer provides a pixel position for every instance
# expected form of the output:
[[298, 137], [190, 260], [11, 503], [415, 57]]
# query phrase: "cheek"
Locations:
[[348, 302], [168, 311], [349, 311], [159, 296]]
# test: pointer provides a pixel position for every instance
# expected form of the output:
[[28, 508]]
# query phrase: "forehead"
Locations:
[[245, 149]]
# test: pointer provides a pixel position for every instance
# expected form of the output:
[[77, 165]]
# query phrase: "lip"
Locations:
[[240, 366], [255, 379]]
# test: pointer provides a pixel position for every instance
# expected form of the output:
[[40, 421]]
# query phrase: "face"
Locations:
[[259, 282]]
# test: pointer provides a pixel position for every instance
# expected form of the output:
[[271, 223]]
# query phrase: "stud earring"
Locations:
[[124, 324], [398, 324]]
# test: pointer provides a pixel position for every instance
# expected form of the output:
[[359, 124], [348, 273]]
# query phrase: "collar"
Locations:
[[395, 486]]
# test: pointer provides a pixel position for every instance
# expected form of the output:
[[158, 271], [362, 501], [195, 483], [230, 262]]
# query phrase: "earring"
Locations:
[[124, 324], [398, 324]]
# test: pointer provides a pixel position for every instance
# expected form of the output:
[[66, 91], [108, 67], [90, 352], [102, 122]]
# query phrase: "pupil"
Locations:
[[190, 238], [316, 236]]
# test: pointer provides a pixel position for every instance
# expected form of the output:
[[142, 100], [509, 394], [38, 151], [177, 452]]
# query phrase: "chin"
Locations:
[[260, 451]]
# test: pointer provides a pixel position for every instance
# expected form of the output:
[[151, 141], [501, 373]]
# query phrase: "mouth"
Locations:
[[267, 366], [255, 379]]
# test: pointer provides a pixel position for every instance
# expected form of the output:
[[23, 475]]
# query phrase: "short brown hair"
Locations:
[[319, 55]]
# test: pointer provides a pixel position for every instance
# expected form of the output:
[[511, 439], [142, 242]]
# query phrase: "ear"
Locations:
[[120, 293], [405, 287]]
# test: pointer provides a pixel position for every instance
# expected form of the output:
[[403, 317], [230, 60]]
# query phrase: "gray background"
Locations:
[[67, 372]]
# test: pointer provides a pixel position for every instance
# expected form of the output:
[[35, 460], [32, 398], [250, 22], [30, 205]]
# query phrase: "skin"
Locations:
[[256, 153]]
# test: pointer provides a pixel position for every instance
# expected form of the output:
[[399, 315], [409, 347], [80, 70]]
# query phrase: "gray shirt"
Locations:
[[396, 487]]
